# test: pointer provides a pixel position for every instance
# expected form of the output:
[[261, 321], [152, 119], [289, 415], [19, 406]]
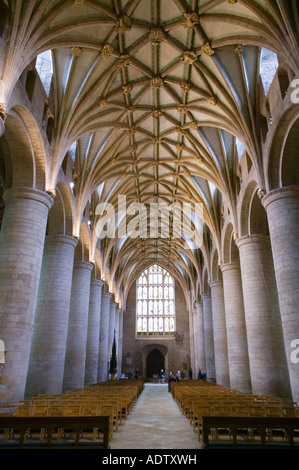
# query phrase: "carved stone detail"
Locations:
[[193, 125], [182, 108], [103, 103], [123, 61], [239, 49], [213, 100], [106, 51], [127, 89], [156, 36], [123, 23], [156, 82], [185, 86], [188, 57], [180, 147], [156, 113], [189, 19], [207, 49], [76, 51]]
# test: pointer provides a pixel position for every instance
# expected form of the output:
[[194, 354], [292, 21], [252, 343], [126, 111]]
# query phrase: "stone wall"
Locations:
[[135, 351]]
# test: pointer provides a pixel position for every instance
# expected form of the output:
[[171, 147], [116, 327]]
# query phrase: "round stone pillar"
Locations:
[[117, 320], [120, 342], [219, 331], [113, 306], [282, 206], [103, 365], [269, 374], [21, 251], [209, 338], [46, 366], [237, 348], [75, 357], [200, 338], [195, 340], [93, 332], [191, 340]]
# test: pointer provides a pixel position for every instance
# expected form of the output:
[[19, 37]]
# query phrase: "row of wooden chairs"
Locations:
[[104, 399], [197, 399]]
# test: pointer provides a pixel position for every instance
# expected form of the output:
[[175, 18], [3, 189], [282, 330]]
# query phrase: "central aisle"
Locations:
[[155, 423]]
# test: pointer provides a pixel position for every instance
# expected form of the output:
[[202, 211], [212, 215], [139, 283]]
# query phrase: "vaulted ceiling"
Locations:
[[156, 94]]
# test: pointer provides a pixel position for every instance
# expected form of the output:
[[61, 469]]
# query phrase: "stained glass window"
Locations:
[[155, 302]]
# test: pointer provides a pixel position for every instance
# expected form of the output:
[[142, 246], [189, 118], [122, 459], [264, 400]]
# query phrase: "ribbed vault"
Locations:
[[154, 96]]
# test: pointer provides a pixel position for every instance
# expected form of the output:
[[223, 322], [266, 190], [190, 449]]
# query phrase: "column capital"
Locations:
[[234, 265], [97, 282], [106, 294], [256, 238], [60, 238], [83, 265], [205, 295], [19, 192], [288, 192], [216, 283], [198, 304]]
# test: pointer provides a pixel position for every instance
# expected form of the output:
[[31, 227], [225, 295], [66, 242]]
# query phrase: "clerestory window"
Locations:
[[268, 67], [44, 67], [155, 303]]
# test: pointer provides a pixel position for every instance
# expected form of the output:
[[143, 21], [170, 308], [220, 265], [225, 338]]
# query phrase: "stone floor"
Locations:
[[155, 422]]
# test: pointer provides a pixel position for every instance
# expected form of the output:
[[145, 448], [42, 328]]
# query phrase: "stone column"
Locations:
[[237, 348], [196, 340], [46, 367], [282, 206], [209, 338], [74, 368], [104, 337], [201, 338], [219, 330], [269, 374], [191, 334], [93, 332], [117, 320], [113, 306], [120, 341], [21, 251]]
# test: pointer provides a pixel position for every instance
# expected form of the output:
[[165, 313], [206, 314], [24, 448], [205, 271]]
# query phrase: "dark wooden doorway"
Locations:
[[154, 363]]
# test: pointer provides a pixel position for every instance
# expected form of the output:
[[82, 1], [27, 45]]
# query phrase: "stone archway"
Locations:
[[154, 363], [154, 358]]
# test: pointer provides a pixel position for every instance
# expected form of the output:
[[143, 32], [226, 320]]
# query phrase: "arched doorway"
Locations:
[[154, 363]]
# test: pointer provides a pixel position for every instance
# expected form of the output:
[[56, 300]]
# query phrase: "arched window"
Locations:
[[268, 66], [155, 303], [44, 67]]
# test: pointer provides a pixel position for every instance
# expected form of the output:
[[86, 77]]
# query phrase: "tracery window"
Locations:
[[155, 302], [44, 67]]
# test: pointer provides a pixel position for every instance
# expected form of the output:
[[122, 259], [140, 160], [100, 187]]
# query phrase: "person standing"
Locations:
[[162, 376]]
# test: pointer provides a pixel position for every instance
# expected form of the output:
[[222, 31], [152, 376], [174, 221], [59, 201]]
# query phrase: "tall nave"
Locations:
[[149, 194]]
